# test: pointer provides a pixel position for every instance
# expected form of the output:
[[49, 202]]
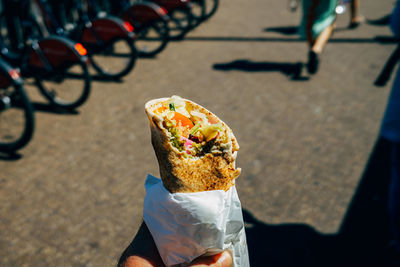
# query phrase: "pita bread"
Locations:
[[214, 170]]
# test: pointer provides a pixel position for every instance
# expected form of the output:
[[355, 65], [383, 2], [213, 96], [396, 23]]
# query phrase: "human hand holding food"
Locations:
[[194, 210], [142, 252]]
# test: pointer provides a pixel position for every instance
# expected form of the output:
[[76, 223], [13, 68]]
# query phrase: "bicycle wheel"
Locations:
[[210, 7], [115, 59], [181, 21], [197, 11], [152, 38], [203, 9], [67, 86], [16, 119]]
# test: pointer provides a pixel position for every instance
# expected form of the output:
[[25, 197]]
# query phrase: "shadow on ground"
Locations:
[[380, 39], [361, 241], [10, 156], [292, 70], [100, 78], [382, 21], [48, 108], [286, 30]]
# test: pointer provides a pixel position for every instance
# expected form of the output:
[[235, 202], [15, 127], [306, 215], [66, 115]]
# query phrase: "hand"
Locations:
[[142, 252]]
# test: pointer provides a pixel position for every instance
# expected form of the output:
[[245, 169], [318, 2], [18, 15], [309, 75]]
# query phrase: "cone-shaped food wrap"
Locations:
[[196, 150], [194, 209]]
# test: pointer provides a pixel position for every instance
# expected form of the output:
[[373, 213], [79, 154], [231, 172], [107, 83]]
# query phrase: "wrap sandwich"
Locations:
[[196, 150]]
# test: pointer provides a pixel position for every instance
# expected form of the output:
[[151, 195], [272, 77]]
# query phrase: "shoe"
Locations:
[[354, 25], [356, 22], [313, 62]]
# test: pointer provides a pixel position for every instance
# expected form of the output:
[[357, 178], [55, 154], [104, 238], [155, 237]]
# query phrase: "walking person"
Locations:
[[316, 26]]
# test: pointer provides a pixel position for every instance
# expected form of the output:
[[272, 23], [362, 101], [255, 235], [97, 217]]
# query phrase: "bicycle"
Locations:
[[202, 10], [150, 23], [16, 111], [181, 19], [57, 65], [108, 40]]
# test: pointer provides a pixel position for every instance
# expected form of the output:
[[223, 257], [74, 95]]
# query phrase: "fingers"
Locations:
[[223, 259], [137, 261], [142, 252]]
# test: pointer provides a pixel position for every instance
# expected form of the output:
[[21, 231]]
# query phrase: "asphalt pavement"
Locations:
[[73, 196]]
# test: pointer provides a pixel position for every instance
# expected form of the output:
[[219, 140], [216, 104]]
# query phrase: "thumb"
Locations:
[[223, 259]]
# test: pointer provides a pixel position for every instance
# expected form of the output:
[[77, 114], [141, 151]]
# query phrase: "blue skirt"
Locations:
[[323, 16]]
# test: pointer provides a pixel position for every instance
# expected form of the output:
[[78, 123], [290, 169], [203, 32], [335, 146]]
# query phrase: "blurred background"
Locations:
[[311, 187]]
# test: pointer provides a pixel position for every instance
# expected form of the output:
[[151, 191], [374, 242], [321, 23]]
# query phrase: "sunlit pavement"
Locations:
[[74, 195]]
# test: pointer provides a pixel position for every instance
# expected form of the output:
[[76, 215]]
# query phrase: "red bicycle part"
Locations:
[[144, 13], [171, 4], [53, 52], [105, 29]]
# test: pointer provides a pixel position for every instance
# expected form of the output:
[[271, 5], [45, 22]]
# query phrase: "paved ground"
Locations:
[[74, 198]]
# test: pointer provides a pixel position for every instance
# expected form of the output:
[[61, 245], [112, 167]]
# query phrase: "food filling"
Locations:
[[191, 131]]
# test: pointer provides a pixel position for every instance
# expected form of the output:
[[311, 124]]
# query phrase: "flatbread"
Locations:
[[212, 171]]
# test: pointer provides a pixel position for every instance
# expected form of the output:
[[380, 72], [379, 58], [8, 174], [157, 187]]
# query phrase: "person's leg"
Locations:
[[354, 4], [316, 49], [322, 39], [312, 64], [309, 8], [355, 18]]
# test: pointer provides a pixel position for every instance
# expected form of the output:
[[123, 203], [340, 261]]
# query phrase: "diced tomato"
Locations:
[[212, 120], [183, 120], [160, 110]]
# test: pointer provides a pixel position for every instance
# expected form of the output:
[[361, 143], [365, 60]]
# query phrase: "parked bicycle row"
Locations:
[[53, 44]]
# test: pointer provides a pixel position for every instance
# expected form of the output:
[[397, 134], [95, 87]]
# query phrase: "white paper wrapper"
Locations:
[[187, 225]]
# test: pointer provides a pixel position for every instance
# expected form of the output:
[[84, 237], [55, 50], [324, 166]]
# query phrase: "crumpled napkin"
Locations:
[[187, 225]]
